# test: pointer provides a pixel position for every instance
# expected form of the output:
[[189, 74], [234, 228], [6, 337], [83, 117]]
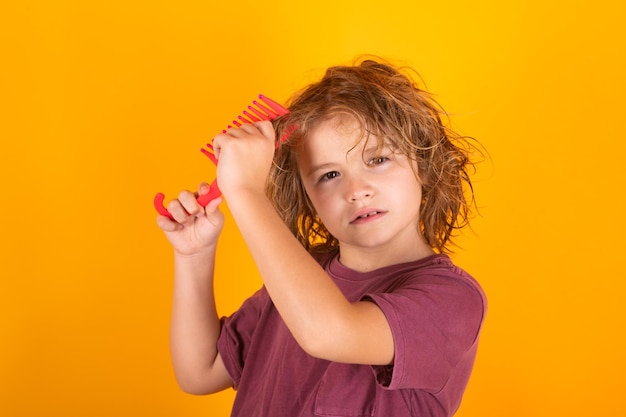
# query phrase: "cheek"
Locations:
[[313, 196], [324, 206], [403, 186], [320, 203]]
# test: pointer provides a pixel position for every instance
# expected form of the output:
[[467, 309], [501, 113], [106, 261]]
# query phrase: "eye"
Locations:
[[329, 176], [377, 160]]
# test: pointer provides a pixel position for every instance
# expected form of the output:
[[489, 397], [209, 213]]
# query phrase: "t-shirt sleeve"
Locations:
[[435, 321], [236, 333]]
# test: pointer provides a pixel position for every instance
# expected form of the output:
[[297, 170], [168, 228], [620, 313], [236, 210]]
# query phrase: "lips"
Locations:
[[373, 213], [366, 215]]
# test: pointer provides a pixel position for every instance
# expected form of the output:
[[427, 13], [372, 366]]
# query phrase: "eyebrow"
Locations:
[[316, 168], [369, 150]]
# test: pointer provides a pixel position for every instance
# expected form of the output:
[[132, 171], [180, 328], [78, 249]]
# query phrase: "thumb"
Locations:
[[213, 205]]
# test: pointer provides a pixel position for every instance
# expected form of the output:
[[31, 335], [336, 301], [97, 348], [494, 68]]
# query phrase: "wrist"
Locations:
[[193, 269], [246, 200], [199, 256]]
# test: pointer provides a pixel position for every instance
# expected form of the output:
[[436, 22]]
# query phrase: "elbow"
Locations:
[[322, 337], [192, 387], [197, 386], [195, 391], [197, 378], [317, 345], [351, 337], [312, 349]]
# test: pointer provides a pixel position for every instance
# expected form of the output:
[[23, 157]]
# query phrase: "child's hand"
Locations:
[[195, 229], [245, 157]]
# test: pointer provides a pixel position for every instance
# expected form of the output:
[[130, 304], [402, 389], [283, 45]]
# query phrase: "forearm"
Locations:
[[322, 320], [194, 325], [307, 299]]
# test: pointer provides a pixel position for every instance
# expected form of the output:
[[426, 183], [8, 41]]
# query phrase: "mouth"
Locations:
[[366, 216]]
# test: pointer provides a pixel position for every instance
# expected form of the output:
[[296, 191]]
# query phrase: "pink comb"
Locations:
[[268, 110]]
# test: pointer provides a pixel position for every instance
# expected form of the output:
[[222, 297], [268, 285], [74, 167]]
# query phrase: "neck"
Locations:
[[365, 260]]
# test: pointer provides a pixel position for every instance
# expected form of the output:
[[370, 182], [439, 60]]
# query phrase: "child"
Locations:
[[361, 313]]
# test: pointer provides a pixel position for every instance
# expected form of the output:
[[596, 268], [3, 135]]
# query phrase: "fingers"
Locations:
[[203, 188], [189, 203], [263, 129], [186, 207], [266, 129], [243, 131], [168, 225]]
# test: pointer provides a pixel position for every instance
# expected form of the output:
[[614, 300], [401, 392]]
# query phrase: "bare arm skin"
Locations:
[[318, 315], [195, 327], [323, 322]]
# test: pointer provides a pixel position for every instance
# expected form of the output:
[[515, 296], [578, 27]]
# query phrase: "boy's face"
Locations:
[[367, 197]]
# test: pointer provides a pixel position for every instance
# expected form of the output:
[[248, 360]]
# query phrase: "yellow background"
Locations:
[[104, 104]]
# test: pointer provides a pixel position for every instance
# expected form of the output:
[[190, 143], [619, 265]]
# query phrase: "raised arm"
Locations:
[[321, 319], [195, 326]]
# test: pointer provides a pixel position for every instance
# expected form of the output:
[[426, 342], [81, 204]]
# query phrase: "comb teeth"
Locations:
[[258, 112], [250, 116], [265, 110], [277, 108]]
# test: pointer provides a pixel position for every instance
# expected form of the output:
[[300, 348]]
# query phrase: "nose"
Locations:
[[357, 188]]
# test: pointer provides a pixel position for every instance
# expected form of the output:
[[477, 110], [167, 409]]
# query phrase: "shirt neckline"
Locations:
[[338, 270]]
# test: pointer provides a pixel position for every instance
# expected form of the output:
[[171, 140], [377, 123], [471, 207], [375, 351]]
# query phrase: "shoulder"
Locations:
[[437, 273], [435, 311], [433, 293]]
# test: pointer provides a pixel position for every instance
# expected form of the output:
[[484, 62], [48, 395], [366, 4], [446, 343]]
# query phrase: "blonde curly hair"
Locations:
[[388, 104]]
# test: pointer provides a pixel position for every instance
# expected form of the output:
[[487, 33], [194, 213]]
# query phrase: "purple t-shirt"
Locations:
[[435, 311]]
